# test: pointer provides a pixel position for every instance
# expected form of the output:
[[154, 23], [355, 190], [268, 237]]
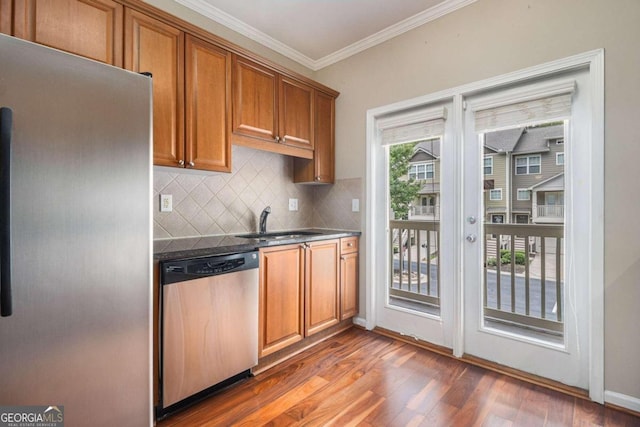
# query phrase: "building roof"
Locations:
[[535, 139], [523, 140], [430, 147], [555, 183], [502, 140]]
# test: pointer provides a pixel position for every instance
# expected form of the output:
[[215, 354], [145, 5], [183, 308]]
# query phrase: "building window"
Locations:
[[495, 194], [524, 194], [559, 141], [528, 165], [497, 219], [421, 171], [560, 159], [488, 165]]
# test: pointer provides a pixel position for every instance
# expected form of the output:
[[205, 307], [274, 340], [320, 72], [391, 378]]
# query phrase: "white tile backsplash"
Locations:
[[210, 203]]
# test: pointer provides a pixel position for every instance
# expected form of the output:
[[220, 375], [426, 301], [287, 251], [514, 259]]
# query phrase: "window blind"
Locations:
[[525, 107], [416, 126]]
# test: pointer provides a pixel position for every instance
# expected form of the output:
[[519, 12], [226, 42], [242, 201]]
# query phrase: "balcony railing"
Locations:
[[523, 275], [523, 272], [415, 270], [552, 211]]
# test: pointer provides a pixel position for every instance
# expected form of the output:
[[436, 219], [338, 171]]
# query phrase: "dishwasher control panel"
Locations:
[[194, 268]]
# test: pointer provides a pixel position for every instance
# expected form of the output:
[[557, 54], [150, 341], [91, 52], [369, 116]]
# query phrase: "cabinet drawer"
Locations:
[[348, 244]]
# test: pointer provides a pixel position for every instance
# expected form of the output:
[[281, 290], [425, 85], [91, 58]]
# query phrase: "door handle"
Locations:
[[471, 238]]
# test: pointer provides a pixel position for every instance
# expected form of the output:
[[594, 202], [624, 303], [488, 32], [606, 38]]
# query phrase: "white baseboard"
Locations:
[[622, 400], [360, 321]]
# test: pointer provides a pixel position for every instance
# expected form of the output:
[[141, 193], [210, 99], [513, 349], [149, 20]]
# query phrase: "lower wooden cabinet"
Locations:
[[348, 277], [281, 317], [299, 292], [322, 285]]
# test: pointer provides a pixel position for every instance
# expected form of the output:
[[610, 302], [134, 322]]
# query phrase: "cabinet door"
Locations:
[[296, 113], [322, 278], [208, 76], [255, 100], [6, 15], [155, 47], [281, 314], [348, 285], [89, 28], [320, 169]]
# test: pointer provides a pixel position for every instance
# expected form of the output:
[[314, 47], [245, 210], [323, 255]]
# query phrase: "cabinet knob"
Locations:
[[181, 162], [191, 164], [349, 244], [318, 178], [277, 139], [284, 138]]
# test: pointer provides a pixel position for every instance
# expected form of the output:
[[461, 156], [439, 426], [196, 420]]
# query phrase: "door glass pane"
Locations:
[[414, 225], [524, 236]]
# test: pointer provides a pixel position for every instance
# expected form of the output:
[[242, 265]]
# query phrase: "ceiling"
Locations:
[[318, 33]]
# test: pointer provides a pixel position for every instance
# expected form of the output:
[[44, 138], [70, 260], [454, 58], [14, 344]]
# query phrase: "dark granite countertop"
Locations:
[[195, 247]]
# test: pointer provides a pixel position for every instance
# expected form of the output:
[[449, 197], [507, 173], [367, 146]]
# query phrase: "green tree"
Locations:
[[402, 190]]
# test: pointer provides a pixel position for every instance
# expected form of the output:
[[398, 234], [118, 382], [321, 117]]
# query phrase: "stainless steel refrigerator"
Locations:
[[75, 331]]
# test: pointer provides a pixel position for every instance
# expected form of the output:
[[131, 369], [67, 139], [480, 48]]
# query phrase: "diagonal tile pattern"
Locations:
[[208, 203]]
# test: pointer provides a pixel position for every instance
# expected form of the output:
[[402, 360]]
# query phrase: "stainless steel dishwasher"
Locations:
[[208, 326]]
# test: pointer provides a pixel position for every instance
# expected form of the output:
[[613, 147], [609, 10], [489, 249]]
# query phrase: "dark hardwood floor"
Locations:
[[360, 378]]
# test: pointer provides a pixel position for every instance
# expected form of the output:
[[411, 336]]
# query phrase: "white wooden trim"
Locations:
[[622, 400]]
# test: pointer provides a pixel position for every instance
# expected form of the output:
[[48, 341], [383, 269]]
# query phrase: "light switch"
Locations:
[[293, 204], [355, 205], [166, 203]]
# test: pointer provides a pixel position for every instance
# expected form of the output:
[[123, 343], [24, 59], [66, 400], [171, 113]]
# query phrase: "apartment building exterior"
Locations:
[[523, 176]]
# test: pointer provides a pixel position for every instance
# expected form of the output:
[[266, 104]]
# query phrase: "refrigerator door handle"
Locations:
[[6, 123]]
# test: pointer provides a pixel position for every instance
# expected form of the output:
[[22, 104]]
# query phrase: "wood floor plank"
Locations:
[[364, 379]]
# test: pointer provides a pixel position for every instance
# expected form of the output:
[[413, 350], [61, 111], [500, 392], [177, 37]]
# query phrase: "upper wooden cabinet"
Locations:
[[271, 111], [255, 100], [90, 28], [208, 76], [155, 47], [296, 113], [191, 93], [320, 169]]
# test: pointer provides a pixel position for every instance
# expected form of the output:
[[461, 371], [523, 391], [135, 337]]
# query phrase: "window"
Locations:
[[528, 165], [524, 194], [488, 165], [497, 219], [421, 171], [495, 194], [559, 159], [559, 141]]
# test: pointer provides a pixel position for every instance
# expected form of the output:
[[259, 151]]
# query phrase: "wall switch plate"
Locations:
[[293, 204], [166, 203], [355, 205]]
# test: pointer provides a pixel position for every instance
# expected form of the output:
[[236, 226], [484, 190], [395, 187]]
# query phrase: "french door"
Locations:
[[516, 249]]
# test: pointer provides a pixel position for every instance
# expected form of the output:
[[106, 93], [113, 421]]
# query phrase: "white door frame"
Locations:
[[375, 216]]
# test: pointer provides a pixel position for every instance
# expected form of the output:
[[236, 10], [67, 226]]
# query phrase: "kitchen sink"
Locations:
[[277, 235]]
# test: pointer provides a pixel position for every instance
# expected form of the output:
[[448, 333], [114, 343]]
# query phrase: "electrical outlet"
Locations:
[[293, 204], [166, 203], [355, 205]]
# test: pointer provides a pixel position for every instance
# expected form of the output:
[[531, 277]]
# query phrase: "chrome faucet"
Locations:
[[263, 219]]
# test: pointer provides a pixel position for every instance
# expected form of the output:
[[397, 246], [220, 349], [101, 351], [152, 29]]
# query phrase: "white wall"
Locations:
[[493, 37]]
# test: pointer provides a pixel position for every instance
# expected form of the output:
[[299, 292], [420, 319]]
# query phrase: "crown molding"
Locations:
[[381, 36]]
